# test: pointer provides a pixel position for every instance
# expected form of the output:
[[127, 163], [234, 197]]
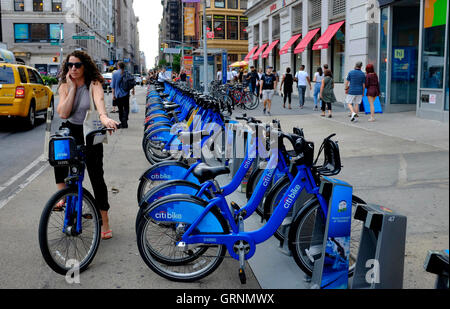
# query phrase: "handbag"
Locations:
[[92, 120]]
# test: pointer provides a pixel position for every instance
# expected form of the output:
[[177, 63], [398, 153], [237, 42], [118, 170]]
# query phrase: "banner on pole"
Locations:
[[189, 21]]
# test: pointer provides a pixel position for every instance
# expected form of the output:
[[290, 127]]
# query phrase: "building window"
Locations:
[[219, 27], [315, 12], [383, 53], [39, 32], [265, 30], [232, 28], [433, 50], [21, 33], [338, 56], [232, 4], [243, 29], [56, 6], [244, 4], [19, 5], [297, 16], [38, 5], [219, 4], [276, 26]]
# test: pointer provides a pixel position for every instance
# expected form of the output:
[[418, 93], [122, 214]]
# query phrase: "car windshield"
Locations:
[[6, 75]]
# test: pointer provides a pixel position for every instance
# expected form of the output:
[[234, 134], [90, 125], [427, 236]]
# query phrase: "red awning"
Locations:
[[269, 49], [250, 54], [306, 39], [260, 50], [322, 43], [288, 45]]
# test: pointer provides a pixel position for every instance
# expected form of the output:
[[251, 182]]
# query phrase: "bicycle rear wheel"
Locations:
[[64, 250], [157, 244], [301, 231], [250, 101]]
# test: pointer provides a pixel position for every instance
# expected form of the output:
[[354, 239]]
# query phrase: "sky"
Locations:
[[150, 14]]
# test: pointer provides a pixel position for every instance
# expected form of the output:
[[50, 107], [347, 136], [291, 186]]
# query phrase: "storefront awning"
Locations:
[[288, 45], [269, 49], [250, 54], [322, 42], [306, 39], [260, 50]]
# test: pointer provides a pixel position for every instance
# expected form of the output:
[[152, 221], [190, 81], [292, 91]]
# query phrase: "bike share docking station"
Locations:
[[380, 257]]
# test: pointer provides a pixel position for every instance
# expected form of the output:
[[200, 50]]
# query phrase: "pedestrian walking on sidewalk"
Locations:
[[79, 76], [354, 87], [253, 80], [373, 89], [318, 78], [302, 79], [327, 93], [287, 81], [268, 85], [121, 93]]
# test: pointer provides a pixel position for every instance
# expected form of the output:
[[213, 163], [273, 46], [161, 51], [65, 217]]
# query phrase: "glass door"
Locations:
[[404, 64]]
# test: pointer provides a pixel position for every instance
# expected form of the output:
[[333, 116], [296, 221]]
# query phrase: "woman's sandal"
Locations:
[[107, 235], [59, 207]]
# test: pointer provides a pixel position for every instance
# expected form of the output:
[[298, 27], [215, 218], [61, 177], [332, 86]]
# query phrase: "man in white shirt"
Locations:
[[302, 79], [219, 75]]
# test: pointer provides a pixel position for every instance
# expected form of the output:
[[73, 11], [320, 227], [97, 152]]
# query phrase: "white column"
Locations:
[[305, 29], [325, 55]]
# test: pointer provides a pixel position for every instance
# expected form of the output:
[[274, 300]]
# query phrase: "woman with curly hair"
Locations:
[[78, 77]]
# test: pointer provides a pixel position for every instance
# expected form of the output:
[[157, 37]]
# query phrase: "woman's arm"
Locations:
[[99, 100], [282, 82], [321, 88], [67, 92]]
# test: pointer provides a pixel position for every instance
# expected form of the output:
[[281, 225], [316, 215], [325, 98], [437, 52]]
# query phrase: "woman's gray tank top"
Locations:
[[81, 105]]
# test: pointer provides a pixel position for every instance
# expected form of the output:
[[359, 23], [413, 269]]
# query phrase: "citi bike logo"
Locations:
[[247, 163], [291, 197], [268, 178], [160, 176], [165, 215]]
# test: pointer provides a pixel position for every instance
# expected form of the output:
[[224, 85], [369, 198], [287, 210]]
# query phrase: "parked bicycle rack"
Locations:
[[380, 261]]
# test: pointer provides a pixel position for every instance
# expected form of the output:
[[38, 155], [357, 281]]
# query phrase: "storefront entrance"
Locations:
[[399, 55]]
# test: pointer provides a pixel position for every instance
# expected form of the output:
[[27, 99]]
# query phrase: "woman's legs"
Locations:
[[372, 107]]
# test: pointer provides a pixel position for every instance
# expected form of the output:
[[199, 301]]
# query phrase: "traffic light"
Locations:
[[108, 39], [55, 59], [162, 46], [111, 38]]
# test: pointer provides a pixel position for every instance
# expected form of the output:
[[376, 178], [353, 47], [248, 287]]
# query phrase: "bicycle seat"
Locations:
[[204, 172], [171, 107], [164, 95]]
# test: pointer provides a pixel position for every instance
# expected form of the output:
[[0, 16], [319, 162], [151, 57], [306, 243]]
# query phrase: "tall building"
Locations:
[[127, 34], [406, 40], [170, 26], [226, 28], [31, 30]]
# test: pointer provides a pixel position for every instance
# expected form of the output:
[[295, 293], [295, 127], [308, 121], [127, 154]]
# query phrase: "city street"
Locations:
[[391, 164]]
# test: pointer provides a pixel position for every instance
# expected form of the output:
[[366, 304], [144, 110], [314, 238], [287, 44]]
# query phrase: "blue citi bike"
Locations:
[[70, 224], [178, 223]]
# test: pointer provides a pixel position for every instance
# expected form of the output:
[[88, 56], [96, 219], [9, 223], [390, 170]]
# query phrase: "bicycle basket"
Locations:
[[332, 163], [62, 151]]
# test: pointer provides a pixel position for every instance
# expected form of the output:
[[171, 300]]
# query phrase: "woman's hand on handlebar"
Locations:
[[109, 123]]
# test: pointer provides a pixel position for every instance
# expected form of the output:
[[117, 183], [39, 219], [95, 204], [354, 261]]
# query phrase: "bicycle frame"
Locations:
[[76, 206], [303, 180]]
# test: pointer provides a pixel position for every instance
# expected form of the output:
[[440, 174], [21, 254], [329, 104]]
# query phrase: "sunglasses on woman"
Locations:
[[77, 65]]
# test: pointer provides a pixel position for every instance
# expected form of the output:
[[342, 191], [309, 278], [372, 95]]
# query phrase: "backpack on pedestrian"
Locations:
[[127, 82]]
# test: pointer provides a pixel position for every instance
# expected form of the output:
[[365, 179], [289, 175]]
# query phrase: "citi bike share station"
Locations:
[[200, 156]]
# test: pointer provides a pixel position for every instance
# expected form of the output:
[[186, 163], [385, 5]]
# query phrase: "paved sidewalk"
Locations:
[[400, 161]]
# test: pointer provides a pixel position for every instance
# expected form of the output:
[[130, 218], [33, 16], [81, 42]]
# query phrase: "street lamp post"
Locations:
[[205, 52]]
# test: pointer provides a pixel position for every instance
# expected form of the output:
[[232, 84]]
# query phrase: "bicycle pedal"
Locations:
[[242, 276], [88, 217]]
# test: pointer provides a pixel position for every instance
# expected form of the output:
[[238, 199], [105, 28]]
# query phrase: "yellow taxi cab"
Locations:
[[23, 93]]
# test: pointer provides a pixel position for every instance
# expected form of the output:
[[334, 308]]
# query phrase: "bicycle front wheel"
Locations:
[[65, 250], [250, 101], [301, 236], [157, 241]]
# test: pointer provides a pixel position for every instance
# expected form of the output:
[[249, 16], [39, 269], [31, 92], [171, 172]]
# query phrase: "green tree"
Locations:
[[176, 65]]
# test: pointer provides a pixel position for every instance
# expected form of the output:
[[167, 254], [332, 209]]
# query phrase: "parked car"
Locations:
[[23, 93], [108, 80]]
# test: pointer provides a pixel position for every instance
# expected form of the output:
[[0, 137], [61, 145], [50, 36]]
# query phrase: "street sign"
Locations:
[[126, 60], [172, 50], [55, 44], [83, 37]]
